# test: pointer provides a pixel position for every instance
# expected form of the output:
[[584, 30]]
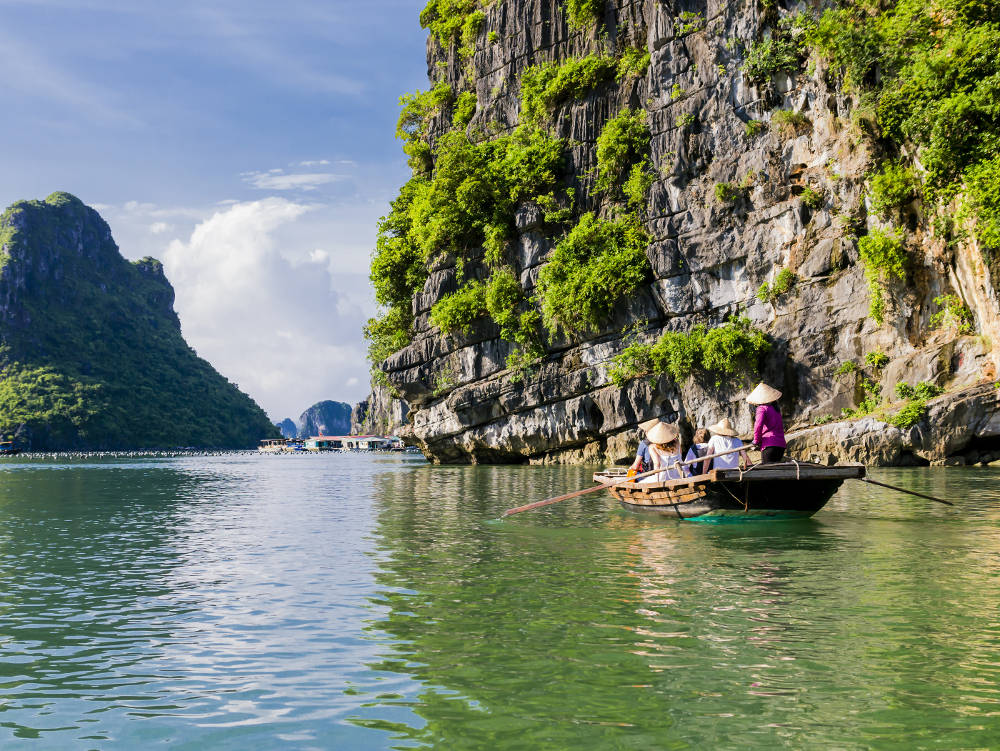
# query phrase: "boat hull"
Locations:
[[779, 491], [762, 500]]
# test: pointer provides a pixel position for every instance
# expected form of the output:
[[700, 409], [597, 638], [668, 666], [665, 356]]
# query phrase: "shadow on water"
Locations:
[[874, 623]]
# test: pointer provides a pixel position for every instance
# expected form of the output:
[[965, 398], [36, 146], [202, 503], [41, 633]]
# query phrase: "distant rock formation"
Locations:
[[325, 418], [91, 352], [288, 428]]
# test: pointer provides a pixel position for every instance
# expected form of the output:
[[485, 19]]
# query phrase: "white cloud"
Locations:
[[158, 228], [268, 314], [313, 163], [277, 179]]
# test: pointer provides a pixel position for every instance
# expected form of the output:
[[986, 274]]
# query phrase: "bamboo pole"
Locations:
[[903, 490]]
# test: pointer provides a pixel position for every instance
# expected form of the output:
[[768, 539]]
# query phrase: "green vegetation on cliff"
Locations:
[[544, 87], [91, 353], [445, 18], [930, 73], [734, 348], [884, 256], [593, 267], [583, 13], [623, 142], [467, 202], [459, 206]]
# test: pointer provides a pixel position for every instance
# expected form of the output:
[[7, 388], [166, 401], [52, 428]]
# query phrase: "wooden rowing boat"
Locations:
[[783, 490]]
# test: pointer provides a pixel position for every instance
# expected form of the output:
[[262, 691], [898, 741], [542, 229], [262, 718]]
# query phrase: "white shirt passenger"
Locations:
[[720, 443]]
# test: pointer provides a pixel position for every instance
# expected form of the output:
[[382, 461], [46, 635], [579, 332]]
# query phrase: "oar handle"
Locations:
[[904, 490], [576, 493]]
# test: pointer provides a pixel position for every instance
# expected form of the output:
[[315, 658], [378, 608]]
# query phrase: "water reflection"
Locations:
[[583, 626], [77, 603], [209, 603]]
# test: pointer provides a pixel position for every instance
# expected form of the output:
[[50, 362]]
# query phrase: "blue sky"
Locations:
[[249, 145]]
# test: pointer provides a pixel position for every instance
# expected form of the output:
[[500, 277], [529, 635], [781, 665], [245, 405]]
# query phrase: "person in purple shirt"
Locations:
[[768, 429]]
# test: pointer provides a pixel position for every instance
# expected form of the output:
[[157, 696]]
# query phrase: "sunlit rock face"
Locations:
[[708, 257]]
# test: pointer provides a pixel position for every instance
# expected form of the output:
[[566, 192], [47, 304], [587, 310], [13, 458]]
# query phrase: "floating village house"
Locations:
[[350, 443]]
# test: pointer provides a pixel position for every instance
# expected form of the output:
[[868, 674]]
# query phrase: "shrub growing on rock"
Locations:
[[633, 62], [877, 360], [734, 348], [770, 56], [593, 267], [783, 283], [583, 13], [952, 315], [623, 142], [893, 186], [789, 123], [445, 18], [812, 198], [884, 258], [458, 311], [544, 87], [465, 108], [728, 193], [982, 201]]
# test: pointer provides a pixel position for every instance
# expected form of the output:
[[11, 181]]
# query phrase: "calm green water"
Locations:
[[356, 602]]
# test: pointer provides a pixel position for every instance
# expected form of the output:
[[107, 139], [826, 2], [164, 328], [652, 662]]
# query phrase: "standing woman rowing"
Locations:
[[768, 428]]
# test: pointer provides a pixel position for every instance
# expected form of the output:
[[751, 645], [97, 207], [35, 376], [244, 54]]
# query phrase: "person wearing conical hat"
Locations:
[[665, 451], [724, 439], [768, 428], [643, 461]]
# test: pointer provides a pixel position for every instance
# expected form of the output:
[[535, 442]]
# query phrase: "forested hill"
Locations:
[[91, 352]]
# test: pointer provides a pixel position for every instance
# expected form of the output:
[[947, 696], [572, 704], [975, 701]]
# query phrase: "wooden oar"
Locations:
[[903, 490], [602, 486]]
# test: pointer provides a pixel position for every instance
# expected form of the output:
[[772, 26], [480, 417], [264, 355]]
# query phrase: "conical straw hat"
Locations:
[[662, 433], [648, 425], [763, 394], [722, 427]]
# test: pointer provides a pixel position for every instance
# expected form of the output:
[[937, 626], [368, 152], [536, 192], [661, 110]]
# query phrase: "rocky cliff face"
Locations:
[[91, 352], [794, 163], [380, 414]]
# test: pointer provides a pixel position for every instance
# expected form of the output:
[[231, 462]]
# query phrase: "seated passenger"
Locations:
[[698, 449], [724, 439], [643, 462], [665, 451]]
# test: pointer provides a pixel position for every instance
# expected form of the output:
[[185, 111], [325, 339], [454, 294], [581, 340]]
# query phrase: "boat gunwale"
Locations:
[[756, 473]]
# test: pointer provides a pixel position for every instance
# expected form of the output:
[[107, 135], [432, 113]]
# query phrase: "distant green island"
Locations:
[[91, 351]]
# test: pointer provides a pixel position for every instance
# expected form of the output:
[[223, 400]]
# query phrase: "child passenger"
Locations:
[[698, 449]]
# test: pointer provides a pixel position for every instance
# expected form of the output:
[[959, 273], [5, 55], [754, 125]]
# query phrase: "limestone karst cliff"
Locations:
[[633, 208], [91, 352]]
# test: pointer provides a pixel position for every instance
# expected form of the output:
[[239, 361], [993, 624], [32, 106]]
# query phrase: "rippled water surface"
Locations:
[[355, 602]]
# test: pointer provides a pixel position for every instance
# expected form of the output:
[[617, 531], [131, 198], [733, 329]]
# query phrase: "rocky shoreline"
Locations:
[[960, 428]]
